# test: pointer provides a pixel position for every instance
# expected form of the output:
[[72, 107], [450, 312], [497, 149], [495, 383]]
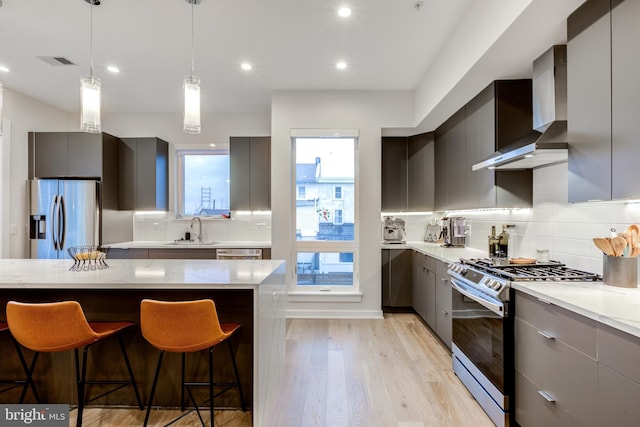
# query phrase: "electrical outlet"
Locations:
[[155, 226], [261, 226]]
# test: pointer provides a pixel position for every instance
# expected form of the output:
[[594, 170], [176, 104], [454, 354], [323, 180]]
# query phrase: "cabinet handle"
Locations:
[[547, 335], [445, 312], [544, 301], [547, 396]]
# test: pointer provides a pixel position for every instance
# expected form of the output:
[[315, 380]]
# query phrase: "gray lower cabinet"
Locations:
[[443, 304], [396, 278], [144, 174], [424, 288], [250, 173], [571, 370], [190, 253], [131, 253]]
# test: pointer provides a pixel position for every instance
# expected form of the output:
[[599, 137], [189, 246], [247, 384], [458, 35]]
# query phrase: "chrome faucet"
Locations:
[[199, 235]]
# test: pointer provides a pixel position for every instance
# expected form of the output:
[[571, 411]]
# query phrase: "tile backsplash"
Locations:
[[564, 229], [245, 226]]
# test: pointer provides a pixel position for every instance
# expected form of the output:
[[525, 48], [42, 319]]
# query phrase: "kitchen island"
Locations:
[[247, 292]]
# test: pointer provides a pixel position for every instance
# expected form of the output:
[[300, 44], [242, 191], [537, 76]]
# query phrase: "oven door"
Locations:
[[484, 336]]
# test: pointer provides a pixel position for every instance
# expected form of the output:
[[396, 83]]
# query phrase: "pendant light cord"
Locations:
[[91, 45], [192, 3]]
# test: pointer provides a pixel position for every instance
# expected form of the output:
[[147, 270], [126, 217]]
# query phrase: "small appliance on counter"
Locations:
[[393, 231], [454, 231]]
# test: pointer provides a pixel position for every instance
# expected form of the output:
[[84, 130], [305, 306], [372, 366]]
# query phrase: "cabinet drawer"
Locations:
[[565, 373], [429, 263], [533, 410], [619, 351], [443, 292], [617, 399], [566, 326], [443, 324]]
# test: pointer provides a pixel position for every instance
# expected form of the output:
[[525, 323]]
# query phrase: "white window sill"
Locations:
[[324, 296]]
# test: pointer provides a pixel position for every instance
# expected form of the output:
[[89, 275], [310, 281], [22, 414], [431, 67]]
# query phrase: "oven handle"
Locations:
[[478, 297]]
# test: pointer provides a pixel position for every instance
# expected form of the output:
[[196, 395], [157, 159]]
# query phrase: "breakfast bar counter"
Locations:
[[249, 292]]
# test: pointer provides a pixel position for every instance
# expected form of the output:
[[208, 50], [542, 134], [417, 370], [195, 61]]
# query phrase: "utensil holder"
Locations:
[[620, 271]]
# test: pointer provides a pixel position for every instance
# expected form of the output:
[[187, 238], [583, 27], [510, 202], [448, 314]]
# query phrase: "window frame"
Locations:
[[302, 195], [335, 216], [180, 154], [327, 245], [335, 190]]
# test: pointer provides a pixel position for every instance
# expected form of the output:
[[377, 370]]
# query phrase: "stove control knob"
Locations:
[[496, 285]]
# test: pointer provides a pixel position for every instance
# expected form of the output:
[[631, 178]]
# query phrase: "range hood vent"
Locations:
[[547, 143]]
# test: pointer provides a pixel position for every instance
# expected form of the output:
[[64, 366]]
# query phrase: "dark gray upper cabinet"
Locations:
[[407, 173], [66, 154], [394, 173], [625, 98], [456, 153], [250, 170], [589, 101], [603, 107], [144, 174], [440, 167]]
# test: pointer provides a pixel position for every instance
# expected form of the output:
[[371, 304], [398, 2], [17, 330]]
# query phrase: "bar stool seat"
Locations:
[[187, 327], [4, 326], [62, 326]]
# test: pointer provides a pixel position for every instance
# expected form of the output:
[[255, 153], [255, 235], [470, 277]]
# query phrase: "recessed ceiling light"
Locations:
[[344, 12], [4, 69], [212, 145], [246, 66], [113, 69], [341, 65]]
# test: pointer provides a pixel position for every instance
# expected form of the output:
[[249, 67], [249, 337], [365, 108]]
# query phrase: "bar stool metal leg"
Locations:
[[28, 372], [153, 387], [182, 382], [133, 380], [211, 384], [235, 371]]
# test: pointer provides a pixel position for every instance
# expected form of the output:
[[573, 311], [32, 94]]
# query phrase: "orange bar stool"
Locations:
[[187, 327], [62, 326], [5, 327]]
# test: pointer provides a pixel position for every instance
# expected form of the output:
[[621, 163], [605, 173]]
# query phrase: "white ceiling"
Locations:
[[292, 44]]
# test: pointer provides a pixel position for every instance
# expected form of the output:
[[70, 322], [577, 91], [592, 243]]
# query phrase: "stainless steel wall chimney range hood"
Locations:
[[547, 143]]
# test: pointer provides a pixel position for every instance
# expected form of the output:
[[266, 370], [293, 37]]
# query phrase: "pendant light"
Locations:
[[90, 90], [191, 86]]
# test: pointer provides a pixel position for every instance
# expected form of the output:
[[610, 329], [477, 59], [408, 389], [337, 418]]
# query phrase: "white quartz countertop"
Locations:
[[137, 274], [611, 305], [438, 251], [148, 244]]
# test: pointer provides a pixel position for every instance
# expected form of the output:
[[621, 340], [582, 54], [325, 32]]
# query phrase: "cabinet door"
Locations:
[[145, 173], [480, 144], [443, 304], [420, 173], [440, 168], [186, 253], [617, 399], [589, 102], [260, 173], [419, 290], [456, 163], [240, 159], [396, 278], [625, 108], [394, 174], [132, 253], [431, 298], [127, 174], [51, 156], [85, 155]]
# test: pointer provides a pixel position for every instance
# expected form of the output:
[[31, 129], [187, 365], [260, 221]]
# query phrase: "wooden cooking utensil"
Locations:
[[618, 244], [634, 232], [604, 245]]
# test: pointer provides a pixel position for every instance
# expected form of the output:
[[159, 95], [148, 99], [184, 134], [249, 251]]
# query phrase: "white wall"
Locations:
[[26, 115], [367, 111]]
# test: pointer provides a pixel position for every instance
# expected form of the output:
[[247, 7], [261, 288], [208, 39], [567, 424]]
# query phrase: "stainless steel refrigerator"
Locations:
[[63, 214]]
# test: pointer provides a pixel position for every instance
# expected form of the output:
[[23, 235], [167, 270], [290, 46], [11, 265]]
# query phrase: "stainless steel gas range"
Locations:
[[483, 324]]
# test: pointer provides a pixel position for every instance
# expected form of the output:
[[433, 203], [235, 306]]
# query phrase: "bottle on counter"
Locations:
[[493, 243], [503, 243]]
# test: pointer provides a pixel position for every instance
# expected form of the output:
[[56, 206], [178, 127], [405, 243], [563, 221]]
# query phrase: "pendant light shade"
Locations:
[[90, 90], [1, 105], [191, 104], [90, 93], [191, 87]]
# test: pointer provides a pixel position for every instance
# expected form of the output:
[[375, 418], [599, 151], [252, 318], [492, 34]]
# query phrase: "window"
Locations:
[[325, 242], [302, 192], [337, 192], [203, 182], [337, 216]]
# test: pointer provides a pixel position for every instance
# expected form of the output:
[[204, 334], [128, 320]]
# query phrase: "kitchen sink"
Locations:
[[190, 243]]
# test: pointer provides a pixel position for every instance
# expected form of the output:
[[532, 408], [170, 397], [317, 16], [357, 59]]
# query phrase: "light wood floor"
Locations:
[[387, 373]]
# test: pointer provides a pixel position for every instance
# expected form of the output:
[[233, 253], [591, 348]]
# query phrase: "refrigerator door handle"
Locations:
[[54, 214], [63, 224]]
